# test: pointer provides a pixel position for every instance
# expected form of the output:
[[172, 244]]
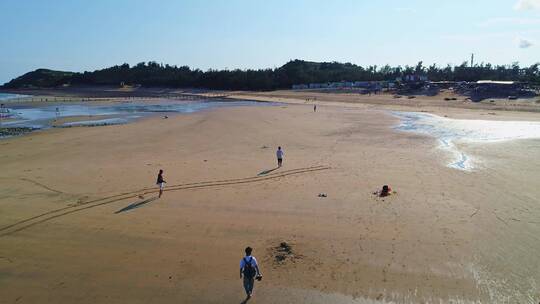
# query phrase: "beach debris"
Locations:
[[264, 147], [283, 246], [283, 251], [14, 131], [165, 117], [411, 97], [323, 195]]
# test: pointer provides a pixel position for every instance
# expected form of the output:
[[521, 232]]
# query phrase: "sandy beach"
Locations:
[[80, 221]]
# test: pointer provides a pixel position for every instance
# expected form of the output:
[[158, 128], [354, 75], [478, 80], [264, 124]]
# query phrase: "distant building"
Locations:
[[412, 78], [366, 85], [484, 89], [299, 87], [495, 83], [362, 84], [443, 84]]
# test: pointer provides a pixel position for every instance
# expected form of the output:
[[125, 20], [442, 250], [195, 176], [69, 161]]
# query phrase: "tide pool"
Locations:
[[450, 131], [42, 116]]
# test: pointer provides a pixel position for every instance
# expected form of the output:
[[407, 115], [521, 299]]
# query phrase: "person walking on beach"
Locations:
[[279, 154], [249, 271], [160, 182], [314, 108]]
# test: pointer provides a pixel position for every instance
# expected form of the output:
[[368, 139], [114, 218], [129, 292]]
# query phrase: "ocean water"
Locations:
[[41, 117], [450, 131], [7, 96]]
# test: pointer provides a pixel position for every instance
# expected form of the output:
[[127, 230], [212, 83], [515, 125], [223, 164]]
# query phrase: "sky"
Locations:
[[81, 35]]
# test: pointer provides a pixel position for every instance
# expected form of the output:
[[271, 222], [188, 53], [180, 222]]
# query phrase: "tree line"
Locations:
[[153, 74]]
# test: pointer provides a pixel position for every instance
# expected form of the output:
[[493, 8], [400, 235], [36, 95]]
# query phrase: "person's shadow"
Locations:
[[245, 300], [267, 171], [136, 205]]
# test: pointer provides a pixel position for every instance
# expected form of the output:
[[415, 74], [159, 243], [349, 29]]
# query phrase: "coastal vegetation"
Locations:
[[294, 72]]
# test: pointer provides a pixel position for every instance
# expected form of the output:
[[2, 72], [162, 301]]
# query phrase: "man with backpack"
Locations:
[[250, 269]]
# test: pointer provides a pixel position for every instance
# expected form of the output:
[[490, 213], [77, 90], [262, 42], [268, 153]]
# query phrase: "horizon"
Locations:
[[246, 35]]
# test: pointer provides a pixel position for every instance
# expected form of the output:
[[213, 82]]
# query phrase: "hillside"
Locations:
[[40, 78], [154, 74]]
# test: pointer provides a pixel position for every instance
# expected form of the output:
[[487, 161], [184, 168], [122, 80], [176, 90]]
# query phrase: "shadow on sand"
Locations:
[[247, 298], [267, 171], [136, 205]]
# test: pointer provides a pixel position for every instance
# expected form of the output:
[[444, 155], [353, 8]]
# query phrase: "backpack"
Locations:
[[249, 270]]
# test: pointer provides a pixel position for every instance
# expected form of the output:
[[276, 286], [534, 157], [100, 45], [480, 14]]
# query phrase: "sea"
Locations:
[[8, 96], [449, 132], [39, 117]]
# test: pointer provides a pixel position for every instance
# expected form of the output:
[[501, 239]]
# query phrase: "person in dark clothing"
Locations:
[[385, 191], [160, 182], [279, 155]]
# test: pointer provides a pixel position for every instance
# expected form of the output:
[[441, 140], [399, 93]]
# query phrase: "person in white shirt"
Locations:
[[279, 154], [250, 270]]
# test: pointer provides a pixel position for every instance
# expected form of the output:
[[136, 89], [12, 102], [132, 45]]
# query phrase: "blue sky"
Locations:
[[81, 35]]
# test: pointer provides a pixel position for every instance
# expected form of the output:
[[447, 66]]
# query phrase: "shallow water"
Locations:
[[99, 122], [8, 96], [42, 117], [450, 131]]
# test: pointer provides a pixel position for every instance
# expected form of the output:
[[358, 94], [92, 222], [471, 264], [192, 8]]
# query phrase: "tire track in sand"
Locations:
[[47, 216]]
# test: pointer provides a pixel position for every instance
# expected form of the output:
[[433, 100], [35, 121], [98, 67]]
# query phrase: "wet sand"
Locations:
[[388, 100], [73, 228]]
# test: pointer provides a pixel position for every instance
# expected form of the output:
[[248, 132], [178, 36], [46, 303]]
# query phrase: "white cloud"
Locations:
[[524, 43], [527, 5]]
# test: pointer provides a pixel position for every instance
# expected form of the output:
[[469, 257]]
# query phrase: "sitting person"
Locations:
[[385, 191]]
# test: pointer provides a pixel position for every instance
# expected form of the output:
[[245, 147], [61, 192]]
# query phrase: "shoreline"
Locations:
[[444, 99], [502, 109], [103, 113]]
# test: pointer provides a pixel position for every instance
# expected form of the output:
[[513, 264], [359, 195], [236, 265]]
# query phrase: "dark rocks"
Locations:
[[284, 253], [14, 131], [284, 247]]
